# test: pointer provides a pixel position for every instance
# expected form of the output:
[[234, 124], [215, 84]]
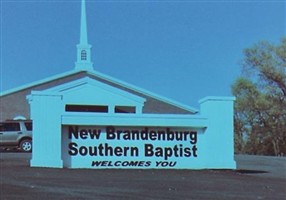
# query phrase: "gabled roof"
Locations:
[[42, 81], [107, 79], [81, 83]]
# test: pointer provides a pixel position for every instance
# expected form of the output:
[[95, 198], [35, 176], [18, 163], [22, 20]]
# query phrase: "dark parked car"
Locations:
[[16, 134]]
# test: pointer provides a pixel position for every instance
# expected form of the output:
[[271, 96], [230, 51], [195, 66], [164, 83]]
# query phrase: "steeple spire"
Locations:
[[83, 26], [83, 48]]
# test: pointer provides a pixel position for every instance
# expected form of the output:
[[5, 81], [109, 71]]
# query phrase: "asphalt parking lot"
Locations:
[[257, 177]]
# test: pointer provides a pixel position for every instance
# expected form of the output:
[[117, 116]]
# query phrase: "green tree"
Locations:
[[260, 109]]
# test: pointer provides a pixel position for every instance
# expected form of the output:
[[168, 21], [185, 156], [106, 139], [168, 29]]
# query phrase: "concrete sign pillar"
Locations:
[[46, 111], [219, 138]]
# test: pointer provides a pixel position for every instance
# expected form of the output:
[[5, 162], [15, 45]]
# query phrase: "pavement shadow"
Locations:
[[241, 171], [249, 171], [11, 150]]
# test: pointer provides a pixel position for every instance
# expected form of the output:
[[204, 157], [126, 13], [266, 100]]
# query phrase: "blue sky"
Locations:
[[184, 50]]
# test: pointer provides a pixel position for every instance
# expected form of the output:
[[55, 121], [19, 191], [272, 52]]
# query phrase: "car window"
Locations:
[[10, 127], [1, 127], [29, 126]]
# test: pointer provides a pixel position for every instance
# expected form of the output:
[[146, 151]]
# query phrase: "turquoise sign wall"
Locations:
[[81, 124]]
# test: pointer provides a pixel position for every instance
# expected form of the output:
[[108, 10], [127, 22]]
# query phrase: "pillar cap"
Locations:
[[216, 98]]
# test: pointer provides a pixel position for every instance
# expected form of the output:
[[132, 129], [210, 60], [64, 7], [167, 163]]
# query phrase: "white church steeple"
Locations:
[[83, 48]]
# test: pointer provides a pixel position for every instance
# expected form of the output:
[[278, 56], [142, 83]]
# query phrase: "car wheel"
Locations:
[[26, 145]]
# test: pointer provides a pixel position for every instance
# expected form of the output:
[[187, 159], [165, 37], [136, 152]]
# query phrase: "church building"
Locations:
[[14, 105]]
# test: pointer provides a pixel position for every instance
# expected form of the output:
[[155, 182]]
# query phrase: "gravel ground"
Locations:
[[257, 177]]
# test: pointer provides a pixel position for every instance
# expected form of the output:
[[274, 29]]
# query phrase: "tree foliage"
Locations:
[[260, 108]]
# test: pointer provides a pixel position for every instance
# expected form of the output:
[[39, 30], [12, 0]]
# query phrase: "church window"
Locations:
[[125, 109], [87, 108], [83, 55]]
